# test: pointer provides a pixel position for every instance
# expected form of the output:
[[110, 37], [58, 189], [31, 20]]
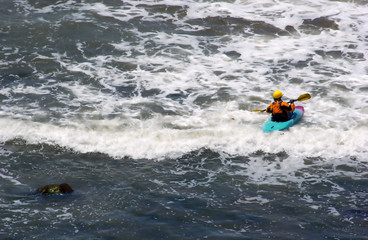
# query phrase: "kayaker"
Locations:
[[281, 111]]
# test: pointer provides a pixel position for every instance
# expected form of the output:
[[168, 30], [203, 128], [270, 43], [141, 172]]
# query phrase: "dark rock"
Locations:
[[322, 22], [291, 30], [63, 188]]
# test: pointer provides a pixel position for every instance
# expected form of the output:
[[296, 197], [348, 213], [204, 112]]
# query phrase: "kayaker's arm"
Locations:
[[292, 106], [269, 109], [288, 107]]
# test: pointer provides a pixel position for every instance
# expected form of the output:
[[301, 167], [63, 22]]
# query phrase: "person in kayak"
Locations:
[[281, 111]]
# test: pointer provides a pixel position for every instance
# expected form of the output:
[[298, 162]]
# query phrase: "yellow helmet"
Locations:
[[277, 94]]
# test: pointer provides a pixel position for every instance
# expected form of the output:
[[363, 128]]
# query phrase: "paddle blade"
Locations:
[[304, 97], [258, 110]]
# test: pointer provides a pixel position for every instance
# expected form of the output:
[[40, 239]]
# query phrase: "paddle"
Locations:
[[301, 98]]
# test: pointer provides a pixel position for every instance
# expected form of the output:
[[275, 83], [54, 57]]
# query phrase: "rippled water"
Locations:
[[144, 108]]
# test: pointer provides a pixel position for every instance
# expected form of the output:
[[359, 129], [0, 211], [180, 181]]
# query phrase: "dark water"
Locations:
[[143, 107], [200, 195]]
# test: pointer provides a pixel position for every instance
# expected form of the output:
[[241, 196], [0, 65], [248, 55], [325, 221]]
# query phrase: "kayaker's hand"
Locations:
[[291, 101]]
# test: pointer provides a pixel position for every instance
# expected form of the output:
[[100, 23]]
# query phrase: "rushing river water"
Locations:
[[144, 108]]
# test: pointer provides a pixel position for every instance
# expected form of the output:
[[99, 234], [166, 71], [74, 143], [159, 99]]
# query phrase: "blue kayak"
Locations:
[[279, 126]]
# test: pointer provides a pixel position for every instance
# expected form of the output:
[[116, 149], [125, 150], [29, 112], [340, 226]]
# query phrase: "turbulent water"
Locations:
[[144, 108]]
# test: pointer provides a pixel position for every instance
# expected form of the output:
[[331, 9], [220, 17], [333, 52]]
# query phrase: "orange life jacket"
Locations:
[[281, 111]]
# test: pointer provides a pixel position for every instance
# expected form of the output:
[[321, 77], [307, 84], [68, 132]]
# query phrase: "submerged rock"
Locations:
[[291, 30], [322, 22], [63, 188]]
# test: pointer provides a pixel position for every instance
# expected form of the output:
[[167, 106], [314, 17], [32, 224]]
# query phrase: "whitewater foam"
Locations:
[[156, 94]]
